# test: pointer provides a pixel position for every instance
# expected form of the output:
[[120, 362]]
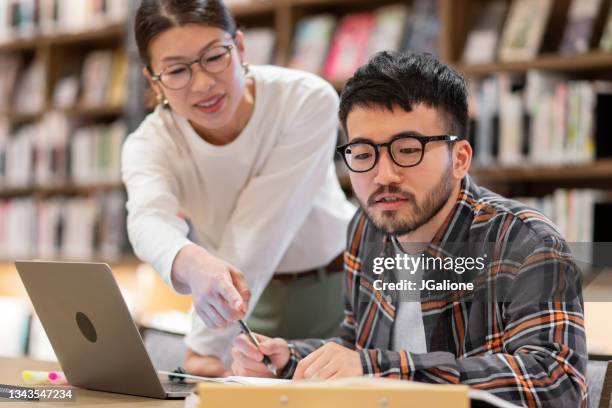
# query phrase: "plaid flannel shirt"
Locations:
[[526, 345]]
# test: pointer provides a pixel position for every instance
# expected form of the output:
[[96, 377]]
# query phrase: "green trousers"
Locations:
[[309, 307]]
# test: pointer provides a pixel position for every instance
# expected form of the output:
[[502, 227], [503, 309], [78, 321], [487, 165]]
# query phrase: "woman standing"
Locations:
[[232, 192]]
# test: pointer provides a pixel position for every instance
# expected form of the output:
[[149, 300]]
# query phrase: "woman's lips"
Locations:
[[211, 105]]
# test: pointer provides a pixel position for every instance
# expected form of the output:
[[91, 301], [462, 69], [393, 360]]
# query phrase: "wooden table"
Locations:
[[10, 374]]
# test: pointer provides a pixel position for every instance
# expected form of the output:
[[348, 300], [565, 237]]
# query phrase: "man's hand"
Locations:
[[205, 366], [219, 290], [329, 362], [248, 359]]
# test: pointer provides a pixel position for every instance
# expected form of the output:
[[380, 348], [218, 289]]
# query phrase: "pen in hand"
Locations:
[[266, 360]]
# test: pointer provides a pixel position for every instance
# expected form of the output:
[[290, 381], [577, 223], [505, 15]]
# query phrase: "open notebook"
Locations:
[[236, 379], [246, 380]]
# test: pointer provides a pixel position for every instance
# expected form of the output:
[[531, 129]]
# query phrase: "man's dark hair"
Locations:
[[391, 79]]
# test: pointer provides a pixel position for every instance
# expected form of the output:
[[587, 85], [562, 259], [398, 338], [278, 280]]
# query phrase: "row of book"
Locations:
[[22, 84], [571, 210], [336, 48], [540, 118], [51, 152], [582, 217], [517, 30], [71, 228], [27, 18], [101, 81]]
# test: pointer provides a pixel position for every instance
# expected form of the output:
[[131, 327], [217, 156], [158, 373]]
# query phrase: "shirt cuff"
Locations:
[[164, 266], [386, 363], [207, 342]]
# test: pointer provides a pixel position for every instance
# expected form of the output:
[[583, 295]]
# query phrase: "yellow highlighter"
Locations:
[[35, 377]]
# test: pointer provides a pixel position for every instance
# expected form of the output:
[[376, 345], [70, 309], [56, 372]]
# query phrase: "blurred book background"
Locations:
[[71, 89]]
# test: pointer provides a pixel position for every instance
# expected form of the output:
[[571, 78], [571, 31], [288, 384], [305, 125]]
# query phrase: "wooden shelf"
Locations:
[[254, 8], [14, 116], [585, 62], [18, 44], [258, 7], [597, 170], [114, 30], [96, 112], [81, 111], [67, 189], [326, 2]]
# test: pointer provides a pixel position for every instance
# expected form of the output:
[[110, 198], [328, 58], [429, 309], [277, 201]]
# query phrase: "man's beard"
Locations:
[[420, 213]]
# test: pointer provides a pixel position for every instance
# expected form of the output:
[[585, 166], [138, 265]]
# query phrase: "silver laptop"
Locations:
[[91, 330]]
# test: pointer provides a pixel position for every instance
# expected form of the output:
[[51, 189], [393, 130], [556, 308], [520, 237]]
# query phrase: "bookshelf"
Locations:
[[60, 42], [600, 170], [283, 17], [523, 176], [59, 190], [456, 20], [591, 61]]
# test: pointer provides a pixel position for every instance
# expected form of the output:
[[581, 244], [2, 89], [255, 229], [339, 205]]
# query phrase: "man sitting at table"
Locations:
[[510, 321]]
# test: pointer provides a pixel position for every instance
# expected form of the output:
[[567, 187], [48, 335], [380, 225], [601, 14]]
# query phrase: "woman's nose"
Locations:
[[202, 81]]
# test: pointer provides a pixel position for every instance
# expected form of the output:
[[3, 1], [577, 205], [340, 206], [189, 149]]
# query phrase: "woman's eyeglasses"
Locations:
[[214, 61]]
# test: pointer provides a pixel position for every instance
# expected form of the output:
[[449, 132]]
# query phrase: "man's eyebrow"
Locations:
[[408, 133], [361, 140], [404, 133], [202, 50]]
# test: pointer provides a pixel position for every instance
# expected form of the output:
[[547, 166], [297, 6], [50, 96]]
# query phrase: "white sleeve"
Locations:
[[274, 205], [155, 230]]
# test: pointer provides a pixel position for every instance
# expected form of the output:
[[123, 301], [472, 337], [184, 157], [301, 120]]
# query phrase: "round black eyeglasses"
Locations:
[[405, 151]]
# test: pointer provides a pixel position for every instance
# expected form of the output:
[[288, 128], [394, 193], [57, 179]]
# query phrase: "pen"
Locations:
[[174, 376], [249, 333]]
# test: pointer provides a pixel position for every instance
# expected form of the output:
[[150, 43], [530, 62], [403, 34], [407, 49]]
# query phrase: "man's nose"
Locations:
[[386, 171]]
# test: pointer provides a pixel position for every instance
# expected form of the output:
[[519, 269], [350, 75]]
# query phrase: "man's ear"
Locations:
[[462, 158]]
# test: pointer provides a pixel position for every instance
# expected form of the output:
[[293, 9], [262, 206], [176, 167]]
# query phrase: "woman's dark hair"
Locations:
[[156, 16], [391, 79]]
